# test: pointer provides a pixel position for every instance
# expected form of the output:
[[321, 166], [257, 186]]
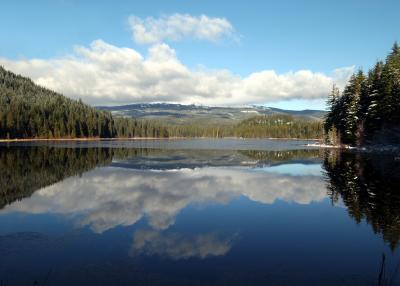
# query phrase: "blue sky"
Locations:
[[283, 36]]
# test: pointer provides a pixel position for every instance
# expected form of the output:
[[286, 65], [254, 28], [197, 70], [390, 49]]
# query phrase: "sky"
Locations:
[[283, 54]]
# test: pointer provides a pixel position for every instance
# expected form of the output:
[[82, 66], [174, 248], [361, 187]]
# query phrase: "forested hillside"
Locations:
[[368, 109], [279, 126], [268, 126], [30, 111]]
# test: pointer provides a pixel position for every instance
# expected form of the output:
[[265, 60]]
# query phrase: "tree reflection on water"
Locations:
[[369, 187]]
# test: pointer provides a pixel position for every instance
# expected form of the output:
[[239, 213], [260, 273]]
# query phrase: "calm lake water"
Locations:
[[197, 212]]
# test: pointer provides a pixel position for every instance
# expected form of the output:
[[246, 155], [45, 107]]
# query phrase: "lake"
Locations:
[[197, 212]]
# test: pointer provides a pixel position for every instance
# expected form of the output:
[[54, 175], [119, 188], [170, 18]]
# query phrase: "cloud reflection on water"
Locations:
[[108, 197], [179, 246]]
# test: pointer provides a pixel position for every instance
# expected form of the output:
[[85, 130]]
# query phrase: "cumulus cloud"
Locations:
[[342, 75], [108, 197], [177, 27], [178, 246], [107, 74]]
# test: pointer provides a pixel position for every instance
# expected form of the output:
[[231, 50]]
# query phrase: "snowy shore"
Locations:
[[368, 148]]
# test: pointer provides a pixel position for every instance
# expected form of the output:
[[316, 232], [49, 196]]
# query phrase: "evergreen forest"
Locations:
[[31, 111], [368, 109]]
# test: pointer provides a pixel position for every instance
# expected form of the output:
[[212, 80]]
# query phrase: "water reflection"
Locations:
[[366, 184], [180, 246], [190, 217], [26, 169], [369, 187], [109, 197]]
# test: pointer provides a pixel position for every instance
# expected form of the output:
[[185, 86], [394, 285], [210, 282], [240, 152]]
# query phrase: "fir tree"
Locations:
[[351, 99], [369, 109], [372, 108]]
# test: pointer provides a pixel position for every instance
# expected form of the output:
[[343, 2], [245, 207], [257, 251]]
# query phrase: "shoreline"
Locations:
[[83, 139], [331, 146], [368, 148], [16, 140], [317, 144]]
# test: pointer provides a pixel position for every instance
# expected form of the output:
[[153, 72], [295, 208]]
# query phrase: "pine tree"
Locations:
[[331, 133], [351, 98], [372, 108], [333, 96], [369, 109], [391, 82]]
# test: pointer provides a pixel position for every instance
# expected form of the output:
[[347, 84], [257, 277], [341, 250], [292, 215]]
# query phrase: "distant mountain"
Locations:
[[185, 114]]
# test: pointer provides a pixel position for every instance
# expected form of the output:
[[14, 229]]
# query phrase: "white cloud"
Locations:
[[108, 197], [107, 74], [177, 27], [342, 75]]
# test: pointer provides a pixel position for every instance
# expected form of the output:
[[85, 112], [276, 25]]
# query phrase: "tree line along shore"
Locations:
[[29, 111], [367, 112]]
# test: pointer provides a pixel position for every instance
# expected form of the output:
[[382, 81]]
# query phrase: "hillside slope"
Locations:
[[194, 114], [28, 110]]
